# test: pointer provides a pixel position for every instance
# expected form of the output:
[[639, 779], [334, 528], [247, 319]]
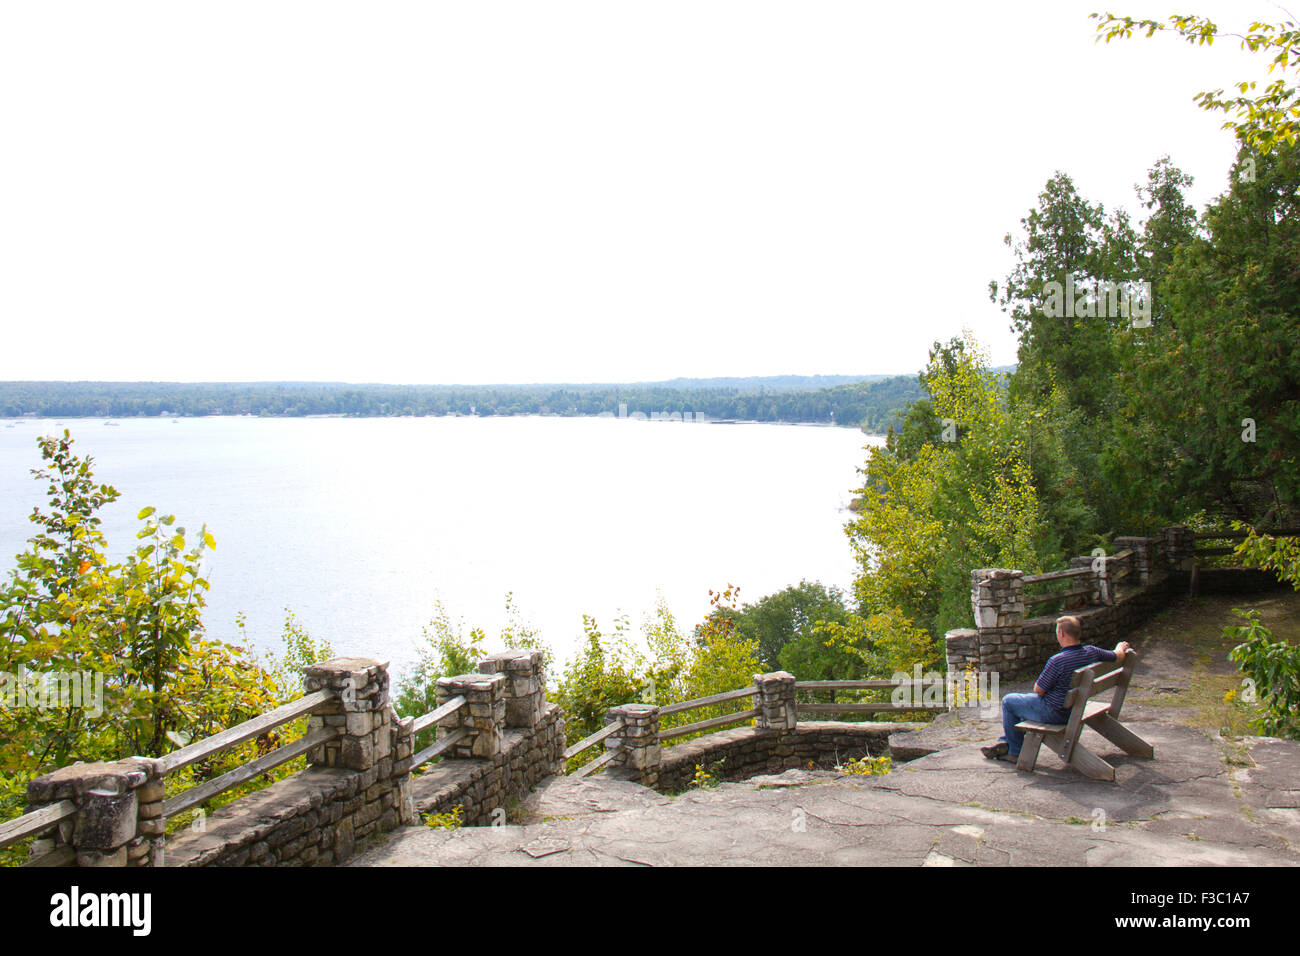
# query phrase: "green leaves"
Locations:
[[137, 624], [957, 491], [1274, 668], [1265, 122]]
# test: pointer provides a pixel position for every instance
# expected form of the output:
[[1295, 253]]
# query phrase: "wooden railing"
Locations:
[[917, 689], [712, 722], [1032, 599], [211, 746], [590, 741], [673, 732], [431, 719], [35, 822], [1114, 568]]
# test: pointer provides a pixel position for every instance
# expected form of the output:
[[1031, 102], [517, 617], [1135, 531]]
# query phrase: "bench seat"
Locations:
[[1090, 710], [1100, 716]]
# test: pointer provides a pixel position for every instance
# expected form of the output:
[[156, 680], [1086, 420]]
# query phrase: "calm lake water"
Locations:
[[358, 525]]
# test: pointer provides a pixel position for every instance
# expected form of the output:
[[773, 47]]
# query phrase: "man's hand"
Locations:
[[1121, 650]]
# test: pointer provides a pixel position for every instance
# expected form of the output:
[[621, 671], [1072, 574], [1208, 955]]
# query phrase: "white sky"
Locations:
[[555, 191]]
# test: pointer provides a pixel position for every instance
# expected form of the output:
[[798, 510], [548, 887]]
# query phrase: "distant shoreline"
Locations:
[[107, 419]]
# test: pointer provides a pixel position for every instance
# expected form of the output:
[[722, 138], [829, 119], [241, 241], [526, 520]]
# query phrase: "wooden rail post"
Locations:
[[774, 701], [483, 715], [105, 831], [635, 745]]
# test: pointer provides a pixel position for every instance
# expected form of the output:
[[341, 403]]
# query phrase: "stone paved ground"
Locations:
[[1205, 800]]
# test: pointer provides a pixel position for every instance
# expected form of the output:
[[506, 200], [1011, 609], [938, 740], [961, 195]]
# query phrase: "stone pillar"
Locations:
[[1178, 548], [484, 713], [525, 688], [361, 712], [105, 831], [1143, 554], [998, 605], [774, 699], [961, 650], [636, 746], [998, 597], [151, 828]]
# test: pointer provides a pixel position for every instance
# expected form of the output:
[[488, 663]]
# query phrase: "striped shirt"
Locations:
[[1056, 676]]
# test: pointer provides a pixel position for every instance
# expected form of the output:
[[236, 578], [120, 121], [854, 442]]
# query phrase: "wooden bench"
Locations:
[[1063, 739]]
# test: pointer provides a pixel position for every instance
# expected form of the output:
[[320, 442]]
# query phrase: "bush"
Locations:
[[1273, 667]]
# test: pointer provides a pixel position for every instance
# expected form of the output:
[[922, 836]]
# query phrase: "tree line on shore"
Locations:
[[871, 405]]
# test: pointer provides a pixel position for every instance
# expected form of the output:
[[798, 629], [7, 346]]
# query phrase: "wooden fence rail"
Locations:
[[592, 739], [232, 737], [30, 824], [431, 719], [916, 688], [709, 724], [37, 821]]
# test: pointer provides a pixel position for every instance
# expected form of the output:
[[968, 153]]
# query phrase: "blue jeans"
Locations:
[[1018, 707]]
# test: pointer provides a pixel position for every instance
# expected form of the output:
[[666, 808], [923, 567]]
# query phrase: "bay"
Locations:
[[359, 524]]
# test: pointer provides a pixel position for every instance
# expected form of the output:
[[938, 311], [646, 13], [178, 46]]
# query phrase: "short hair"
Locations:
[[1070, 627]]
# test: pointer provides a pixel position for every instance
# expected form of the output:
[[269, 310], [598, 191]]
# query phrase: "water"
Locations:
[[358, 525]]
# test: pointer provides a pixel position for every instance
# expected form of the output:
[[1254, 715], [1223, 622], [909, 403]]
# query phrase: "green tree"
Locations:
[[785, 617], [1264, 121], [135, 626], [963, 501], [1218, 382]]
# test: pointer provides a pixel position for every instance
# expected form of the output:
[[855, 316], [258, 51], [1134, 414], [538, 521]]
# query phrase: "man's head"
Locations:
[[1068, 631]]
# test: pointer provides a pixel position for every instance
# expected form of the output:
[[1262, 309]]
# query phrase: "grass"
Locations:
[[1191, 631]]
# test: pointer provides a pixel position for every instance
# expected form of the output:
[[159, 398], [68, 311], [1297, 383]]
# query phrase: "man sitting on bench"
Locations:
[[1047, 703]]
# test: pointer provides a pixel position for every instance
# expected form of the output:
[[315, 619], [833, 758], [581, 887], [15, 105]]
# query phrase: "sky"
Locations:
[[605, 191]]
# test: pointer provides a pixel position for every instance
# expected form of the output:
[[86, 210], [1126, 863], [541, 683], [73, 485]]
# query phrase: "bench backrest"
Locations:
[[1089, 681]]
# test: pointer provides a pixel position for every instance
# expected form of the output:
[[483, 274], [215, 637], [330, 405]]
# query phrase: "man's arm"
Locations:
[[1045, 679], [1121, 650]]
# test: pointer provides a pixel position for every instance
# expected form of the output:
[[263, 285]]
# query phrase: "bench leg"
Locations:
[[1029, 750], [1090, 765], [1121, 736]]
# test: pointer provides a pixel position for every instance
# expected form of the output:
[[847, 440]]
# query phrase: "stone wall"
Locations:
[[749, 751], [482, 785], [1016, 647], [358, 784]]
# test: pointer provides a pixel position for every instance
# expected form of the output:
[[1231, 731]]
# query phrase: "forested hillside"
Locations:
[[873, 405]]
